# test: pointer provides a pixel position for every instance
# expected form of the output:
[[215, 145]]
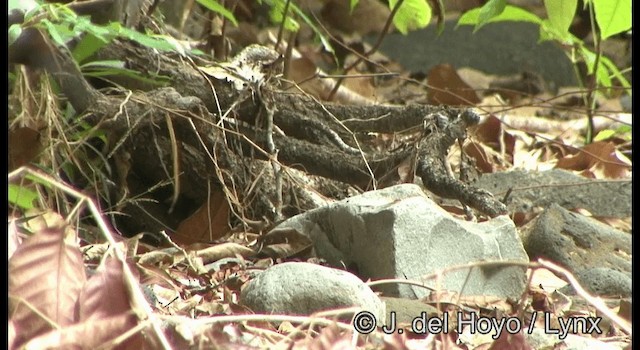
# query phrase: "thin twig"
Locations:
[[371, 51]]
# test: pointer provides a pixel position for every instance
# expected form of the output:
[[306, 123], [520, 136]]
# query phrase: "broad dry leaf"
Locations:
[[11, 335], [90, 335], [13, 238], [481, 156], [362, 86], [150, 274], [104, 295], [24, 145], [42, 220], [445, 87], [510, 341], [406, 170], [625, 309], [492, 133], [46, 274], [546, 279], [224, 250], [207, 224], [599, 158], [284, 242], [164, 256], [366, 18], [95, 252], [304, 72]]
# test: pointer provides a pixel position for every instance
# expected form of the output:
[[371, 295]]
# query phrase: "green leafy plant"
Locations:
[[216, 7], [412, 14], [610, 16], [22, 196], [63, 24]]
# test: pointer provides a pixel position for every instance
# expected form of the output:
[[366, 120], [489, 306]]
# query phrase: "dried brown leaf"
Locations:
[[600, 159], [338, 15], [164, 256], [508, 341], [150, 274], [104, 295], [284, 243], [90, 335], [492, 132], [224, 250], [207, 224], [24, 146], [13, 238], [445, 87], [46, 275]]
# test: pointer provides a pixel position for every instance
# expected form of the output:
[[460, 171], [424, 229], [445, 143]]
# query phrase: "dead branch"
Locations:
[[218, 126]]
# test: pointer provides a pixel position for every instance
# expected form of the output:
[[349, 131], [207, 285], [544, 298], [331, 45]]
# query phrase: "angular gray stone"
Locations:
[[602, 281], [539, 339], [582, 245], [298, 288], [542, 188], [577, 242], [399, 232]]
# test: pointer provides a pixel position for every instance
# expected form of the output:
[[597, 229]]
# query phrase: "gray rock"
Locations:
[[581, 244], [505, 48], [538, 339], [399, 232], [297, 288], [540, 189], [406, 310], [602, 281], [577, 242], [626, 102]]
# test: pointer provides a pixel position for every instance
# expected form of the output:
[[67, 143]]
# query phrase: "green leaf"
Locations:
[[606, 69], [22, 197], [277, 15], [23, 5], [603, 77], [102, 32], [615, 72], [561, 13], [143, 39], [549, 32], [491, 9], [352, 4], [326, 43], [441, 20], [510, 13], [89, 45], [177, 47], [14, 33], [217, 8], [604, 134], [100, 69], [413, 14], [52, 29], [623, 129], [104, 64], [589, 58], [612, 16]]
